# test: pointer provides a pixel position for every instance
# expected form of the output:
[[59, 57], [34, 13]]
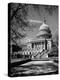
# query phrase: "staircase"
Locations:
[[43, 53]]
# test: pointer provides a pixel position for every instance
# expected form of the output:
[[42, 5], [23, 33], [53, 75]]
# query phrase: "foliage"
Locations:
[[18, 20], [54, 50]]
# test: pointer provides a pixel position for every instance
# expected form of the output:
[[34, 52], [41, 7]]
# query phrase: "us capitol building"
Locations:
[[39, 47]]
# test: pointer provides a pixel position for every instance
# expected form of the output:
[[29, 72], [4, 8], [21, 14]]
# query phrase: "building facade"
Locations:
[[39, 47]]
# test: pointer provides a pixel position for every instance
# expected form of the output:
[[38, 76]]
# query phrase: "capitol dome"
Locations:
[[44, 31], [44, 26]]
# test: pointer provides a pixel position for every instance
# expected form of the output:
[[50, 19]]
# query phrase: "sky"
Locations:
[[36, 18]]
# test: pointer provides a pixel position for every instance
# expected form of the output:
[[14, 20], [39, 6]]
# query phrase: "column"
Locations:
[[45, 44]]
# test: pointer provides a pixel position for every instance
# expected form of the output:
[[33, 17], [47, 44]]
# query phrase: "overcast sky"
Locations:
[[36, 19]]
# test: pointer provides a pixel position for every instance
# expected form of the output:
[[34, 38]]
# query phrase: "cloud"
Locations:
[[34, 21]]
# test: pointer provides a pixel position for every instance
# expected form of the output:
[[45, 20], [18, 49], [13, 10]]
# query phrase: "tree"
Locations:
[[18, 20]]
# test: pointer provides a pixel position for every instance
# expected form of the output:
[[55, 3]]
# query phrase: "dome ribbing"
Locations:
[[44, 31]]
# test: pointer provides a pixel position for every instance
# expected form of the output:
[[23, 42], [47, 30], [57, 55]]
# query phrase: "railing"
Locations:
[[42, 53], [39, 53]]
